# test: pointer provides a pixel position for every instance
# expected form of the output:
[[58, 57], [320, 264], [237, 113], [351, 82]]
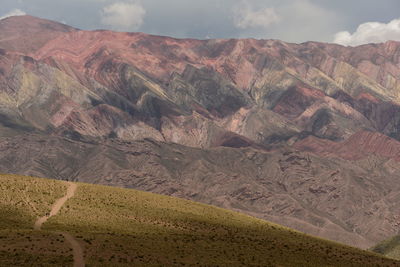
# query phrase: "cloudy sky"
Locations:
[[348, 22]]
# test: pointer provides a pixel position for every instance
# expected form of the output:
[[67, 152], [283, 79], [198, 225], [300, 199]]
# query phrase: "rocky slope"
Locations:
[[305, 135]]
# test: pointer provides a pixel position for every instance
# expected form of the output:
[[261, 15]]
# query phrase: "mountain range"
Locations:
[[304, 135]]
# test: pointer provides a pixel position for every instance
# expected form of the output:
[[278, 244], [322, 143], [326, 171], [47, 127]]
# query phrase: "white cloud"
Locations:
[[14, 12], [305, 20], [370, 32], [288, 20], [125, 16], [245, 16]]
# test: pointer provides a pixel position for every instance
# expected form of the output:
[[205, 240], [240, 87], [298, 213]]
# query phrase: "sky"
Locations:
[[347, 22]]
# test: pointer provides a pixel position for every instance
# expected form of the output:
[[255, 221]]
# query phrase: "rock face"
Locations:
[[305, 135], [358, 146]]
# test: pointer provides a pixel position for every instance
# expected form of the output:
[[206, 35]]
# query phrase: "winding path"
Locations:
[[77, 250], [79, 260]]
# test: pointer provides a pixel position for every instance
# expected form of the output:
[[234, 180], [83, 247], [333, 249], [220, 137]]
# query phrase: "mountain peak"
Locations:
[[26, 33]]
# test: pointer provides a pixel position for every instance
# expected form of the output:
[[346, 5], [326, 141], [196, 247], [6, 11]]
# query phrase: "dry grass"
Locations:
[[120, 227], [390, 248], [128, 227], [32, 248], [22, 201]]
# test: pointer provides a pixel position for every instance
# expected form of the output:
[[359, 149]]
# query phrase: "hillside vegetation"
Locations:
[[389, 248], [121, 227]]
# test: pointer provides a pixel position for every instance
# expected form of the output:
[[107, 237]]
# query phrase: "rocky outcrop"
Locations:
[[359, 146]]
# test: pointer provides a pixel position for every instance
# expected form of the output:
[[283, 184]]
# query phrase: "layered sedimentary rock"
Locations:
[[151, 84]]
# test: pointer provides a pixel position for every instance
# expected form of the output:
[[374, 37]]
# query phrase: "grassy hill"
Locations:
[[390, 248], [121, 227]]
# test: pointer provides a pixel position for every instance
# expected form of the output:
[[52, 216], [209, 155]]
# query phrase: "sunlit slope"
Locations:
[[117, 227], [389, 248]]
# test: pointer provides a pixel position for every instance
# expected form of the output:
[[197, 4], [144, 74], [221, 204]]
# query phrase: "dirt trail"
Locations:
[[79, 260], [77, 250], [56, 206]]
